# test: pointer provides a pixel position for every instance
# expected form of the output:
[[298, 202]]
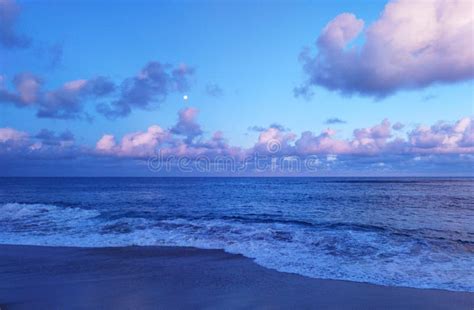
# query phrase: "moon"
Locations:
[[185, 97]]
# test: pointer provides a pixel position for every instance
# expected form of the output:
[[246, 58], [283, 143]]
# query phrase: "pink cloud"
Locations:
[[11, 135], [28, 88], [340, 31], [372, 139], [440, 138], [412, 45], [443, 137], [324, 143], [183, 139], [136, 144], [106, 144], [274, 140], [187, 125]]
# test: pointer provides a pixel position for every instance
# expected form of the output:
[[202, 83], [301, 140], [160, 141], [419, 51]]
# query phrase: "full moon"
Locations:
[[185, 97]]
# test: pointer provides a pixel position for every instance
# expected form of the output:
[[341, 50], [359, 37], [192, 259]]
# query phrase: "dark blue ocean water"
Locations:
[[415, 232]]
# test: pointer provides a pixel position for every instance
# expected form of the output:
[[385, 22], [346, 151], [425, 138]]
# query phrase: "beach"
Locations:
[[39, 277]]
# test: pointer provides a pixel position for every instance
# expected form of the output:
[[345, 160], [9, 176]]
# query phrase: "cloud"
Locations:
[[214, 90], [18, 145], [150, 87], [334, 121], [136, 144], [11, 135], [372, 139], [274, 125], [376, 141], [106, 144], [187, 125], [9, 38], [26, 87], [273, 141], [412, 45], [428, 97], [398, 126], [56, 54], [65, 102], [373, 149], [441, 138], [324, 143], [53, 52], [444, 137], [184, 139], [49, 137]]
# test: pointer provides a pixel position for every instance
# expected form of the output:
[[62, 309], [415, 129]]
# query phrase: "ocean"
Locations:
[[414, 232]]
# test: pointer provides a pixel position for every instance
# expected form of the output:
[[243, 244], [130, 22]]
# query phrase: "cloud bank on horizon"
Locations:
[[186, 140], [412, 45]]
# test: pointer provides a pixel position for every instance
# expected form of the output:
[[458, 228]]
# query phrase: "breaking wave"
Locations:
[[423, 258]]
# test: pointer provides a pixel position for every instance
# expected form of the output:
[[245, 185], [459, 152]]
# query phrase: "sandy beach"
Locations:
[[182, 278]]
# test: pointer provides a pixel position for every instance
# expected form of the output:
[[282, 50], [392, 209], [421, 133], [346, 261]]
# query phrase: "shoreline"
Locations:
[[153, 277]]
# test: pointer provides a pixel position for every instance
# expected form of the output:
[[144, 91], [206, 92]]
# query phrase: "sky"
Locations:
[[337, 88]]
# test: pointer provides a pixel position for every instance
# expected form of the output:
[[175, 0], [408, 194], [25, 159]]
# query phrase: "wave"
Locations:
[[343, 251], [424, 233]]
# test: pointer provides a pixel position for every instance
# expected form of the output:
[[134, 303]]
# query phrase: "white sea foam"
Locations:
[[346, 254]]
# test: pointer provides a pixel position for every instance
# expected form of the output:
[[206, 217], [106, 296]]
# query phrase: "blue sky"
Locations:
[[250, 50]]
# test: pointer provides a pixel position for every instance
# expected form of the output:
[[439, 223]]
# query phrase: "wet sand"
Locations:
[[185, 278]]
